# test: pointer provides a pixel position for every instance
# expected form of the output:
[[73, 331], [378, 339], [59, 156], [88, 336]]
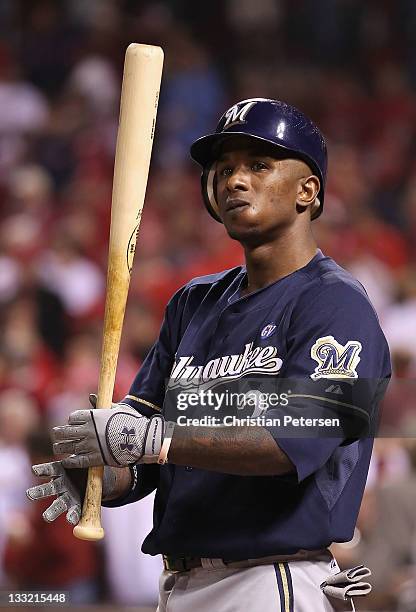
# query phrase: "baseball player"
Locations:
[[245, 511]]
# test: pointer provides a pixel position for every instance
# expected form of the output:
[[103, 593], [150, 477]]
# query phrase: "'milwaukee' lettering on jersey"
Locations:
[[260, 360]]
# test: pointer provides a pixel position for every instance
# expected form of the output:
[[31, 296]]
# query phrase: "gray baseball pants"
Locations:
[[279, 587]]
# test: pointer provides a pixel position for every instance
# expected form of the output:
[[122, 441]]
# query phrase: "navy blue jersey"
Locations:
[[316, 325]]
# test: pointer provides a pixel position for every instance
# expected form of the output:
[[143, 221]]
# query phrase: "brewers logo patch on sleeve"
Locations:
[[335, 360]]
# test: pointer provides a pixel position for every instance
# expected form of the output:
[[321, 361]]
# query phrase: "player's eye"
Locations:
[[225, 171], [258, 165]]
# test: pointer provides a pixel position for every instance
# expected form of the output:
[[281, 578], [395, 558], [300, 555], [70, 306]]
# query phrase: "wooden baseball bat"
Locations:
[[138, 107]]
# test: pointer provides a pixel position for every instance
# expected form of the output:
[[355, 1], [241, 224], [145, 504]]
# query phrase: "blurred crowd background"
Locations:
[[351, 66]]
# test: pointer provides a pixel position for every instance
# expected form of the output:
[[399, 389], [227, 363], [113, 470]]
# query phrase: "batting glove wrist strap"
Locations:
[[168, 434], [130, 437]]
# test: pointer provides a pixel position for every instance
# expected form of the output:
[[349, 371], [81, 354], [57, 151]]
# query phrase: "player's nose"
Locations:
[[238, 180]]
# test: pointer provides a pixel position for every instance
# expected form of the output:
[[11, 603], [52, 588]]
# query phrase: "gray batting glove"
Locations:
[[118, 436], [69, 486]]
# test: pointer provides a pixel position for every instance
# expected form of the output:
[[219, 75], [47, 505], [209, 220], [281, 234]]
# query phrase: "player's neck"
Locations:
[[269, 262]]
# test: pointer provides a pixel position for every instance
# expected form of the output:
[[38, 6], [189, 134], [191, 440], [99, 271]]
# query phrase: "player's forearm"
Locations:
[[245, 451], [116, 482]]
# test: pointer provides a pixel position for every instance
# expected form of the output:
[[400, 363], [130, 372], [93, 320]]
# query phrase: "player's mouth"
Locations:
[[235, 204]]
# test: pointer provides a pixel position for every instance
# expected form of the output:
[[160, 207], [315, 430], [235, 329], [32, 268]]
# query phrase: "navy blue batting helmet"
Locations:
[[271, 121]]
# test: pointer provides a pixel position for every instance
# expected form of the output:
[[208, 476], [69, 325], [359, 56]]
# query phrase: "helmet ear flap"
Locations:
[[209, 191]]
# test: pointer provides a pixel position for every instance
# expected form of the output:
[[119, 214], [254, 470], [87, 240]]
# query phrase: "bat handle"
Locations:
[[89, 527]]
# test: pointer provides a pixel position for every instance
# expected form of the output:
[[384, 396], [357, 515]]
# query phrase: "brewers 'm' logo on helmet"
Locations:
[[237, 114]]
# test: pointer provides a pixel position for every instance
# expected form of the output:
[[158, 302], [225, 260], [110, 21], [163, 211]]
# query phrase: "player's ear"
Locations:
[[308, 189]]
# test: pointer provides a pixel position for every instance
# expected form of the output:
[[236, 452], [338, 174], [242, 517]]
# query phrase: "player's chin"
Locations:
[[239, 220], [243, 232]]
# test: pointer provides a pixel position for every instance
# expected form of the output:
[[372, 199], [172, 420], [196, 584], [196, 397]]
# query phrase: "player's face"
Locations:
[[259, 194]]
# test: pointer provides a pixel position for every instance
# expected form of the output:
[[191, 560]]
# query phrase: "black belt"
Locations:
[[183, 564]]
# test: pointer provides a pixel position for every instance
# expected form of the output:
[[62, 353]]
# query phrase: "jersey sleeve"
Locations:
[[335, 370], [145, 478]]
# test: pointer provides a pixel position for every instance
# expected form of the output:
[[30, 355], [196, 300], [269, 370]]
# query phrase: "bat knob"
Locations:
[[88, 532]]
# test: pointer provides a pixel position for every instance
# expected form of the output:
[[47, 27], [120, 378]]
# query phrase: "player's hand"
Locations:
[[68, 485], [118, 436]]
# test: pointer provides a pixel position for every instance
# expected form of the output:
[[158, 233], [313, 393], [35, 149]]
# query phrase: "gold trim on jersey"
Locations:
[[142, 401]]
